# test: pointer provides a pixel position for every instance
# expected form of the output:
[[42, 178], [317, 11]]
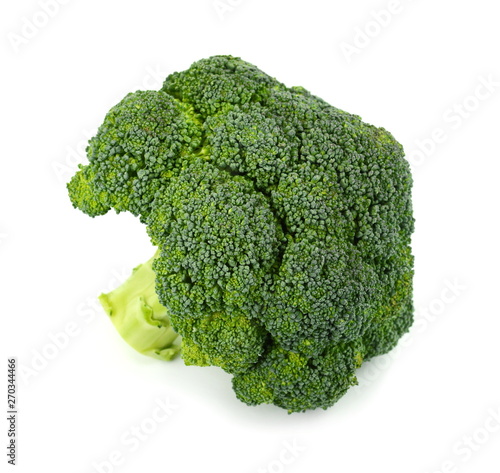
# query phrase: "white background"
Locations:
[[432, 405]]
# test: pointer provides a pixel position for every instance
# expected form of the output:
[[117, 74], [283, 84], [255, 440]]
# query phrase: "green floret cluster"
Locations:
[[283, 229]]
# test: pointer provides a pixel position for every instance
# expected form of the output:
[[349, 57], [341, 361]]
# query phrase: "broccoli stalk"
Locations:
[[139, 317]]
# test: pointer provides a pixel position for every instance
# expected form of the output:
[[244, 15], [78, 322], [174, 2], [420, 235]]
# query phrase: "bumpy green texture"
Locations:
[[283, 226]]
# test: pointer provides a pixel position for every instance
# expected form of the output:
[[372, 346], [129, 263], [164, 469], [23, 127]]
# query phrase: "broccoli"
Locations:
[[282, 225]]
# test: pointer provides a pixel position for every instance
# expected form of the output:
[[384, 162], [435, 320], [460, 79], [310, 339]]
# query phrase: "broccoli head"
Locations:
[[282, 225]]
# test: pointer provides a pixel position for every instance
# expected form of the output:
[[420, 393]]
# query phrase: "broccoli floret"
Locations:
[[323, 293], [144, 141], [297, 382], [217, 83], [219, 240], [283, 227]]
